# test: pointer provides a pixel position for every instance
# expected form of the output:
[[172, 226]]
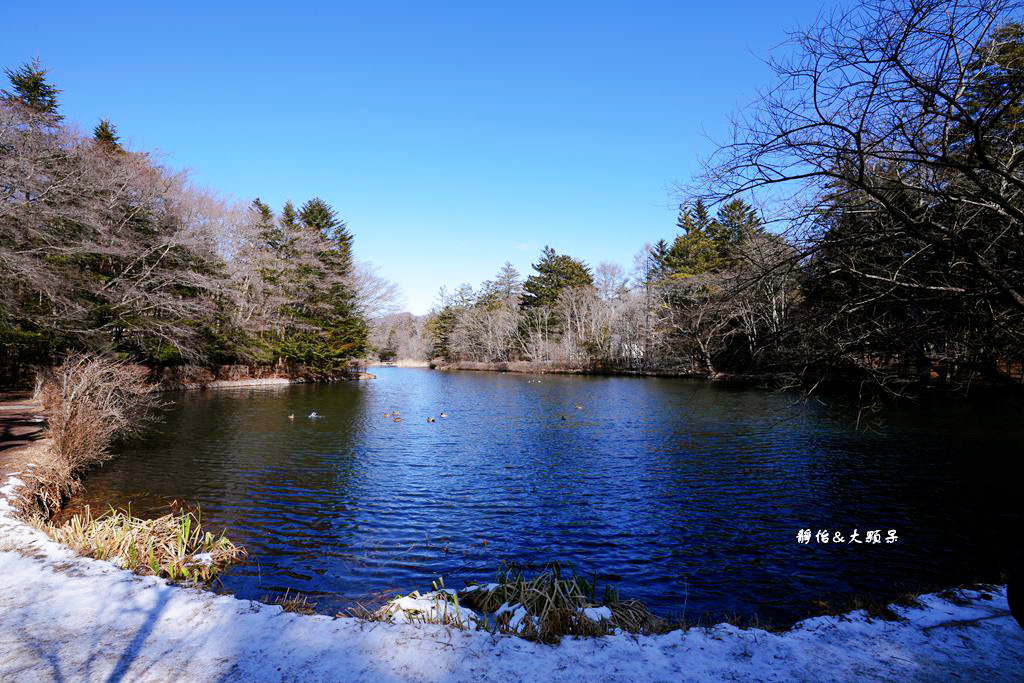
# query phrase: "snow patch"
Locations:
[[89, 620], [13, 483], [597, 613], [431, 608], [201, 560]]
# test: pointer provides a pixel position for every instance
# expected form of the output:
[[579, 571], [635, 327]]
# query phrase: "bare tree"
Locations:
[[610, 280], [376, 296], [890, 146]]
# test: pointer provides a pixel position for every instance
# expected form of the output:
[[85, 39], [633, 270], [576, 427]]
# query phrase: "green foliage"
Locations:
[[554, 273], [30, 89], [105, 133], [439, 327], [995, 97], [110, 253], [707, 245]]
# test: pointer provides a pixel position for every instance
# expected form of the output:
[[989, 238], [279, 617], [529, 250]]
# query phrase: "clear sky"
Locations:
[[452, 136]]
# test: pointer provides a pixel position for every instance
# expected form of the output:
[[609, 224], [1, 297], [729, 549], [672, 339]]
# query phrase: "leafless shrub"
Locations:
[[91, 401]]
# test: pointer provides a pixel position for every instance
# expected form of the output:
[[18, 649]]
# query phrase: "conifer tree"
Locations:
[[105, 133], [289, 216], [555, 272], [317, 215], [737, 221], [30, 89]]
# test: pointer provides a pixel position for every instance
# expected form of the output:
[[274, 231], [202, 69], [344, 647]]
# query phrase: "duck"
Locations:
[[313, 415], [443, 414], [292, 416], [564, 417], [430, 419], [398, 419], [579, 406]]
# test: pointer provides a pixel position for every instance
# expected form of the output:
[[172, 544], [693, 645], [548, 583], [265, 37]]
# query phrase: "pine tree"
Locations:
[[555, 272], [738, 221], [105, 133], [696, 251], [289, 217], [327, 329], [659, 260], [31, 90], [317, 215]]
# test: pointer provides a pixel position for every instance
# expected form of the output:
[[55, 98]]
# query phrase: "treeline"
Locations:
[[685, 308], [887, 244], [104, 250]]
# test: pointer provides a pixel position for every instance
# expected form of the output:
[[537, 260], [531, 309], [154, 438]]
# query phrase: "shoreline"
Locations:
[[38, 577], [120, 626], [901, 388]]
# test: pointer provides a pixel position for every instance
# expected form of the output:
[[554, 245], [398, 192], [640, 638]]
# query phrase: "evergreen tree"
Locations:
[[317, 215], [31, 90], [697, 250], [659, 258], [327, 329], [736, 221], [268, 231], [289, 217], [105, 133], [555, 272]]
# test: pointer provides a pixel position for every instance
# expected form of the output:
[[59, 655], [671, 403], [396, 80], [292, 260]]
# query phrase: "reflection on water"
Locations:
[[676, 491]]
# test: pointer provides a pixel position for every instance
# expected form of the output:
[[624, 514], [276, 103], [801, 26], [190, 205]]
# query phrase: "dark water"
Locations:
[[678, 492]]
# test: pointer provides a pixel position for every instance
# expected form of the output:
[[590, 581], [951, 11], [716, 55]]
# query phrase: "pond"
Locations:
[[686, 495]]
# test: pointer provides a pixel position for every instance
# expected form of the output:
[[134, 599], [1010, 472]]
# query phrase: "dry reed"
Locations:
[[553, 605], [173, 546]]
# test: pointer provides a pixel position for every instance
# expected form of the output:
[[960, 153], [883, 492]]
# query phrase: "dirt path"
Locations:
[[21, 427]]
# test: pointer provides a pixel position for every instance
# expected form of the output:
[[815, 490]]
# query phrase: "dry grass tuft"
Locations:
[[297, 603], [440, 606], [173, 546], [552, 605]]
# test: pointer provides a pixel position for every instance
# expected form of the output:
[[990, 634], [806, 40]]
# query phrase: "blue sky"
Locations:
[[451, 136]]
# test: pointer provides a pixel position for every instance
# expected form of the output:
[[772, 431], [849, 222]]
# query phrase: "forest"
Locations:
[[865, 221], [104, 250], [869, 227]]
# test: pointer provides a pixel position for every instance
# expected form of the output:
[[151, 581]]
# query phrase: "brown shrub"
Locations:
[[90, 401]]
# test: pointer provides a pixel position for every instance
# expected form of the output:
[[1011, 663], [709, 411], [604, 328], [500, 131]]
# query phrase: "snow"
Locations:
[[597, 613], [431, 607], [12, 483], [67, 618], [519, 615], [202, 560]]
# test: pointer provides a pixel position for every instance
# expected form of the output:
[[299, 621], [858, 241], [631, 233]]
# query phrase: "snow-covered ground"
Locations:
[[66, 618]]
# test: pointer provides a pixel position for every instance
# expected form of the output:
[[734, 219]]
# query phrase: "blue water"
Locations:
[[685, 495]]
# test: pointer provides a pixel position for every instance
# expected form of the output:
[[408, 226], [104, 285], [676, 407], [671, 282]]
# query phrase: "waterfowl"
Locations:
[[398, 419], [430, 419], [444, 414], [564, 417], [579, 406], [313, 415], [292, 416]]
